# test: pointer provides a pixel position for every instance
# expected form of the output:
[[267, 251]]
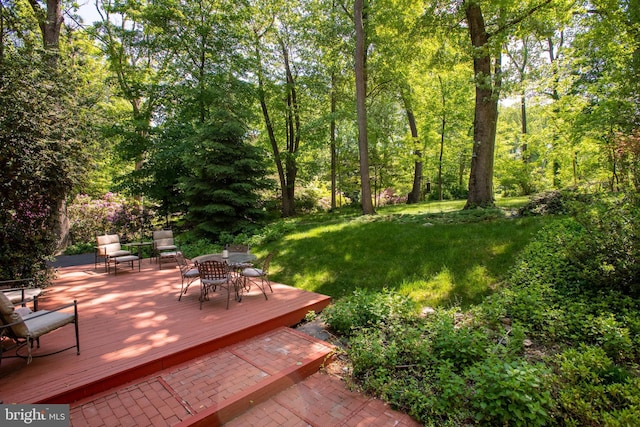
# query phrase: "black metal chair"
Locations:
[[213, 275], [188, 273], [252, 274], [21, 326]]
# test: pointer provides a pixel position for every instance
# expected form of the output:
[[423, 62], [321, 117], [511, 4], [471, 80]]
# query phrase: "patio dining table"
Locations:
[[234, 259], [237, 261]]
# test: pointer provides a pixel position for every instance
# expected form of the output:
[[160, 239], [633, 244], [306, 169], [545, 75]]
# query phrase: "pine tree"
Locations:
[[223, 193]]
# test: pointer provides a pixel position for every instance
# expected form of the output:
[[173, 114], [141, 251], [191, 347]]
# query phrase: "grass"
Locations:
[[435, 252]]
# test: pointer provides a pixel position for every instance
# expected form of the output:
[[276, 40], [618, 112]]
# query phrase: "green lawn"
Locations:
[[433, 251]]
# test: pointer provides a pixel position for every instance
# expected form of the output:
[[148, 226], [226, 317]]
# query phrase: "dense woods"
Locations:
[[365, 102]]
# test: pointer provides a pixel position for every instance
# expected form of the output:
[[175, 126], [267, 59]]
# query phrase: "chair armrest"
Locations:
[[73, 304], [23, 302]]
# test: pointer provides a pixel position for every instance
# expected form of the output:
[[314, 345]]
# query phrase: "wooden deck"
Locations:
[[132, 325]]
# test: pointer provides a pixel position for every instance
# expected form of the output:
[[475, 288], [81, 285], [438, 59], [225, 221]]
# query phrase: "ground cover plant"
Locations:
[[556, 344]]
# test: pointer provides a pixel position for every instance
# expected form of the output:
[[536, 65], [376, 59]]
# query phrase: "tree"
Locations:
[[40, 158], [50, 21], [138, 61], [487, 61], [360, 19], [223, 190]]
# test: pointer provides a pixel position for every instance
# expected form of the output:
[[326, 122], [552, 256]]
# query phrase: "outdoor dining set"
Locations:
[[232, 270]]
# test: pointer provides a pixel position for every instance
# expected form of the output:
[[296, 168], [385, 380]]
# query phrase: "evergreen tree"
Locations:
[[223, 192]]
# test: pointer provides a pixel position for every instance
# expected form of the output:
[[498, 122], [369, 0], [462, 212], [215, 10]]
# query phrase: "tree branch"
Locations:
[[519, 19]]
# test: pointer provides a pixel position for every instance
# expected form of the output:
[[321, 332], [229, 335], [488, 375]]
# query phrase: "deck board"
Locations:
[[132, 325]]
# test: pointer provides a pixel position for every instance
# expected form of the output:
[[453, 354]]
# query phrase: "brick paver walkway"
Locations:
[[321, 400], [174, 396]]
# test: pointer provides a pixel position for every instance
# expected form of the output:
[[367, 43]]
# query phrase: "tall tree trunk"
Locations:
[[361, 104], [443, 126], [293, 136], [332, 136], [272, 137], [486, 112], [50, 22], [1, 33], [416, 189]]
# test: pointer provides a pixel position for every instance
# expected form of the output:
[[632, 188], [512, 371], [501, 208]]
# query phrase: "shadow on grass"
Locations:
[[435, 263]]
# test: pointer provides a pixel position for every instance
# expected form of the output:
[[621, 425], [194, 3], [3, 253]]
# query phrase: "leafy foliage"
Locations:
[[367, 309], [40, 160], [554, 346], [113, 214]]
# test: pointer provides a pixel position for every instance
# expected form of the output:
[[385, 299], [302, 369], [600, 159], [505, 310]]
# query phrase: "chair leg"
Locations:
[[75, 309]]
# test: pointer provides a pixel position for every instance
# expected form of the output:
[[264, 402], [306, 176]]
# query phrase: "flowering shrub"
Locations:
[[28, 231], [113, 214]]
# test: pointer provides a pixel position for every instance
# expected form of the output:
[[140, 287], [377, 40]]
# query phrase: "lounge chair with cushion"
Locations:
[[108, 246], [18, 290], [164, 246], [22, 326]]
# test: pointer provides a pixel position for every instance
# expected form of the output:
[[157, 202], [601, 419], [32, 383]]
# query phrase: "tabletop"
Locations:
[[137, 243], [234, 258]]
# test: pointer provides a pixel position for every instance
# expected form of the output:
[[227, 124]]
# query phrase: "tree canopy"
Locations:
[[337, 102]]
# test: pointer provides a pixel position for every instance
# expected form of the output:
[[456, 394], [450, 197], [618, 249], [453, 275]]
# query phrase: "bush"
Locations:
[[555, 202], [366, 309], [592, 390], [607, 254], [116, 214], [459, 344], [510, 393], [271, 233]]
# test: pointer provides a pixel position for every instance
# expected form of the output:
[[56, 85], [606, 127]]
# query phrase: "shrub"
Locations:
[[461, 345], [555, 202], [592, 390], [271, 233], [546, 261], [606, 255], [366, 308], [113, 213], [510, 393]]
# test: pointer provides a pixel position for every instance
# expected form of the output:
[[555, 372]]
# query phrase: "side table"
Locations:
[[137, 247]]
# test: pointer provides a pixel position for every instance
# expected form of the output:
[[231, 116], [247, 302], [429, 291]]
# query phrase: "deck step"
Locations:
[[211, 389]]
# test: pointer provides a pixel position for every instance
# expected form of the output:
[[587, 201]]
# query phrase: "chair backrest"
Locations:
[[18, 283], [107, 238], [238, 248], [213, 270], [162, 237], [182, 262], [111, 248], [102, 242], [267, 262]]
